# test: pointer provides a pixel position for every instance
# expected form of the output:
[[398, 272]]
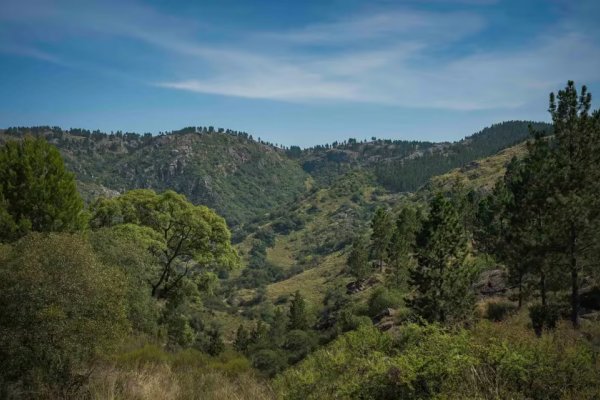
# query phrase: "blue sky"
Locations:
[[292, 72]]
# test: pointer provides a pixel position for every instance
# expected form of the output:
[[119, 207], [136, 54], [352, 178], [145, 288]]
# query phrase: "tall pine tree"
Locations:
[[402, 246], [358, 259], [382, 233], [442, 279], [576, 182]]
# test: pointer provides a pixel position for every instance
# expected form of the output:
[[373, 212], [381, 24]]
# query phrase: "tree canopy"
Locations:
[[37, 193], [188, 238]]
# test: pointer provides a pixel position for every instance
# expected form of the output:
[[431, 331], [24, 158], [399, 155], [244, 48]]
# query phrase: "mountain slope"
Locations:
[[244, 179], [235, 175]]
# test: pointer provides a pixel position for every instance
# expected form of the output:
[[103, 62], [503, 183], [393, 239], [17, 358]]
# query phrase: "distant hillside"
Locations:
[[243, 179], [404, 166], [480, 175], [230, 172]]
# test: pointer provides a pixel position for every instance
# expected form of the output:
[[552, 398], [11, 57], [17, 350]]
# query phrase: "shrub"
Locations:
[[269, 361], [498, 311], [543, 317], [490, 362], [383, 298], [59, 308]]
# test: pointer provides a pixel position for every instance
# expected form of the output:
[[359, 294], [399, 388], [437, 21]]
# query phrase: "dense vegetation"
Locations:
[[228, 171], [241, 177], [483, 284]]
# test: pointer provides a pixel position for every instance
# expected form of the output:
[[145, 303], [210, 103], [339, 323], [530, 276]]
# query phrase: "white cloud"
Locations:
[[389, 58]]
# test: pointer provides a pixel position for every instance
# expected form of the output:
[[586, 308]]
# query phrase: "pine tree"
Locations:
[[278, 328], [402, 246], [242, 339], [297, 315], [37, 193], [576, 181], [442, 279], [382, 233], [358, 259]]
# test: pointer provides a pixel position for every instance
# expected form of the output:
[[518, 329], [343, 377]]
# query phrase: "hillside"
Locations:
[[243, 178], [479, 175], [312, 256], [230, 172]]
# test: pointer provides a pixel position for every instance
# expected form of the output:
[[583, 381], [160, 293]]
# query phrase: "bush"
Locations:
[[298, 344], [498, 311], [59, 308], [269, 361], [543, 317], [494, 361], [383, 298]]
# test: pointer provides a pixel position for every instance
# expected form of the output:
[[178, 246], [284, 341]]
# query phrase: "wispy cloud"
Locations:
[[402, 57], [32, 52], [384, 26]]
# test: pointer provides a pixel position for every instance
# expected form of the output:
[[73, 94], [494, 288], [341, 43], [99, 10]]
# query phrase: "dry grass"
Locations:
[[485, 174], [281, 253], [162, 383], [150, 373], [312, 283]]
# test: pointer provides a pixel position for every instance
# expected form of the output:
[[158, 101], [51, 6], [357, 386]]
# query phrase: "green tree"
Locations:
[[129, 247], [193, 237], [37, 193], [442, 278], [278, 327], [402, 245], [59, 309], [298, 318], [380, 238], [358, 259], [242, 339], [576, 182]]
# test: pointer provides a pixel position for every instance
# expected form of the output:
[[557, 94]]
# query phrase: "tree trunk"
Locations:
[[520, 291], [543, 288], [574, 283]]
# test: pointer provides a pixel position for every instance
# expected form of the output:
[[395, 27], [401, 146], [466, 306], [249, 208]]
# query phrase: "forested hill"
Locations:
[[242, 177], [405, 166], [229, 171]]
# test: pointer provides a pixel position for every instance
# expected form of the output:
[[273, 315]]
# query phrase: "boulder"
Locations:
[[361, 284], [589, 298], [385, 325], [491, 283], [388, 312]]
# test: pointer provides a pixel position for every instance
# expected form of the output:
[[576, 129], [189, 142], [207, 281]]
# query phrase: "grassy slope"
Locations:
[[481, 174], [343, 210], [333, 215]]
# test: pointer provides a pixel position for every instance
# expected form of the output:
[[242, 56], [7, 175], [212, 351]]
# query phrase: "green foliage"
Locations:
[[129, 248], [193, 237], [242, 339], [382, 227], [409, 174], [425, 362], [499, 310], [37, 193], [383, 298], [442, 277], [358, 259], [59, 308], [402, 245], [298, 318], [543, 316], [269, 361], [543, 216], [298, 343]]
